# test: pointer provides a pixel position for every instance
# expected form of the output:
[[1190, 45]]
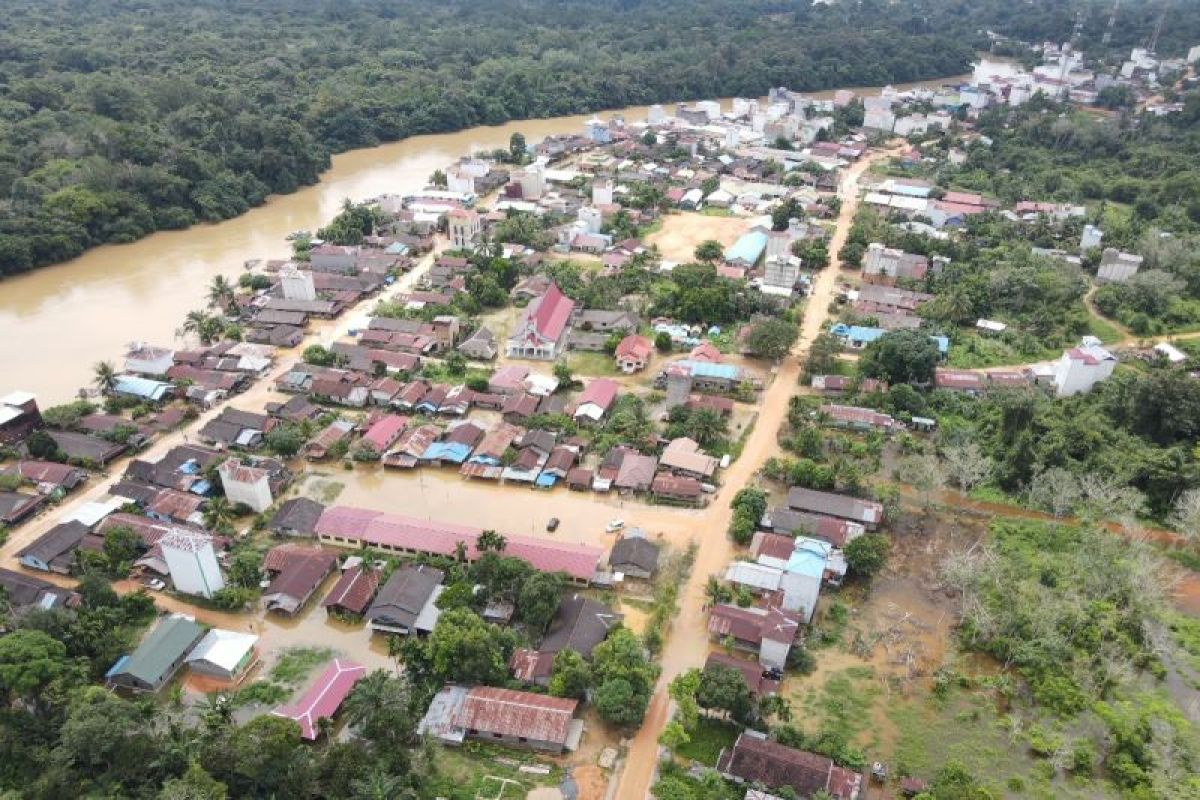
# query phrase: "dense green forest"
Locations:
[[118, 119]]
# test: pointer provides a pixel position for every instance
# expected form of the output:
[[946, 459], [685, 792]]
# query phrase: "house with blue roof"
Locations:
[[794, 576], [748, 249], [856, 337], [142, 388]]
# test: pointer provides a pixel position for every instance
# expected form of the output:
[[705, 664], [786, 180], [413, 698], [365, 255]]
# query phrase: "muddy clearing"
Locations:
[[681, 233]]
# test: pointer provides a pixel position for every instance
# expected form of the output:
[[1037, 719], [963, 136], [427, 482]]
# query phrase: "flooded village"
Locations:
[[575, 418]]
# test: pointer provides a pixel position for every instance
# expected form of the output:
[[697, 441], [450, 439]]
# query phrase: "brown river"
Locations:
[[56, 322]]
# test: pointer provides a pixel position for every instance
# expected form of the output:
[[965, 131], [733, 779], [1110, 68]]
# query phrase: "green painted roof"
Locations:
[[161, 648]]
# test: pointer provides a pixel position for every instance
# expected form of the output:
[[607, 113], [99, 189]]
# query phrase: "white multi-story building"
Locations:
[[463, 225], [591, 218], [243, 484], [459, 180], [192, 563], [656, 115], [602, 192], [297, 284], [1082, 367], [533, 182]]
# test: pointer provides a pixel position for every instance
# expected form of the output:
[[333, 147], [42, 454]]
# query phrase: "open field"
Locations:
[[681, 233]]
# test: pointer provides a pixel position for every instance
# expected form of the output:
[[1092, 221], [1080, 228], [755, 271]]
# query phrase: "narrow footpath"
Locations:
[[687, 643]]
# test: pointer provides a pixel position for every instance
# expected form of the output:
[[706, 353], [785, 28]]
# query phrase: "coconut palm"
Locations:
[[104, 376], [218, 514], [490, 540], [221, 293]]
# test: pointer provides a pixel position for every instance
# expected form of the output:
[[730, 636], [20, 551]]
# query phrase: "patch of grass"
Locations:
[[708, 739], [323, 490], [296, 663], [1104, 330], [716, 211], [1187, 635], [475, 769], [972, 351], [840, 710], [1188, 559], [590, 363], [265, 693], [990, 494]]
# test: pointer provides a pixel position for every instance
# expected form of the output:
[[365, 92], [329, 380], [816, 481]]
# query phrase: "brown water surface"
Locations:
[[56, 322]]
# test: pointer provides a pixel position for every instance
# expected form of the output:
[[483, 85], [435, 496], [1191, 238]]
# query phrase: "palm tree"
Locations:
[[490, 540], [218, 515], [379, 785], [104, 376], [715, 592], [460, 551], [221, 293], [193, 323]]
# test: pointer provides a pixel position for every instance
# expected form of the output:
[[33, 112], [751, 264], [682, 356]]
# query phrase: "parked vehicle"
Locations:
[[552, 525]]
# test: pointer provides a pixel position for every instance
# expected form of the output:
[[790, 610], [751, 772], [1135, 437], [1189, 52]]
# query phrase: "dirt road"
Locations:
[[687, 643]]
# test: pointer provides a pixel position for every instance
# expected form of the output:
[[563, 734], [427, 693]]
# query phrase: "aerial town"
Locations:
[[723, 451]]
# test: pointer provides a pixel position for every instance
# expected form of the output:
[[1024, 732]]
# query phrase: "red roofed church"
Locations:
[[542, 329]]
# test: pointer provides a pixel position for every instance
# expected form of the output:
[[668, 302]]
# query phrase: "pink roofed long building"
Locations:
[[345, 526]]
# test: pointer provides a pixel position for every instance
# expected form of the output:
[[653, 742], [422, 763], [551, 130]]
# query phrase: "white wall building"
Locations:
[[656, 115], [297, 284], [463, 226], [192, 563], [591, 218], [1091, 238], [249, 485], [459, 180], [1082, 367], [145, 359], [602, 192], [533, 182]]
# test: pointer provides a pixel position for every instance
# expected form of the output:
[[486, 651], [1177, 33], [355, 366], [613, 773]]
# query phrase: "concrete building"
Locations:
[[1082, 367], [533, 182], [297, 284], [249, 485], [464, 227], [192, 563], [591, 218], [656, 115], [1117, 266], [602, 192], [1091, 238]]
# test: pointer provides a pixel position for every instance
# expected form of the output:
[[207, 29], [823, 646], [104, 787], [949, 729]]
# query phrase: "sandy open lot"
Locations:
[[680, 233]]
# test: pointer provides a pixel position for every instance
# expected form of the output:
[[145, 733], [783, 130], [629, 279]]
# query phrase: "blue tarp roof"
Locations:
[[748, 249], [703, 369], [809, 557], [141, 387], [546, 479], [446, 451], [861, 333]]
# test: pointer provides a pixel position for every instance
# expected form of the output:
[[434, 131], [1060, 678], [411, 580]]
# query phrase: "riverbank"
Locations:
[[66, 317]]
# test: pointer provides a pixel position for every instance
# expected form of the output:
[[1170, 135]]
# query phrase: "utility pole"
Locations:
[[1157, 29]]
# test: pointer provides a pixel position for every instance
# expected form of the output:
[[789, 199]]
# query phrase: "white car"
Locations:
[[614, 525], [156, 585]]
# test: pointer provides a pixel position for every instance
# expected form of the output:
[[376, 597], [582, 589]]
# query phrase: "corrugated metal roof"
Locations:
[[487, 709]]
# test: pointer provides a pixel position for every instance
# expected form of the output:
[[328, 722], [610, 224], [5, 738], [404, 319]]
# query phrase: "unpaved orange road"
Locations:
[[687, 643]]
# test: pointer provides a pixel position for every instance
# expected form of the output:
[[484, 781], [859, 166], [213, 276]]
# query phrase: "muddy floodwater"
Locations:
[[56, 322]]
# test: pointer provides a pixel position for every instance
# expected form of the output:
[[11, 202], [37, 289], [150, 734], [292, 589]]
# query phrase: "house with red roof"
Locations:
[[384, 433], [596, 400], [542, 329], [517, 719], [633, 353], [323, 698]]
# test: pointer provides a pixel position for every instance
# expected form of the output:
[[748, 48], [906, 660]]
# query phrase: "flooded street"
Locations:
[[687, 644], [71, 315]]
